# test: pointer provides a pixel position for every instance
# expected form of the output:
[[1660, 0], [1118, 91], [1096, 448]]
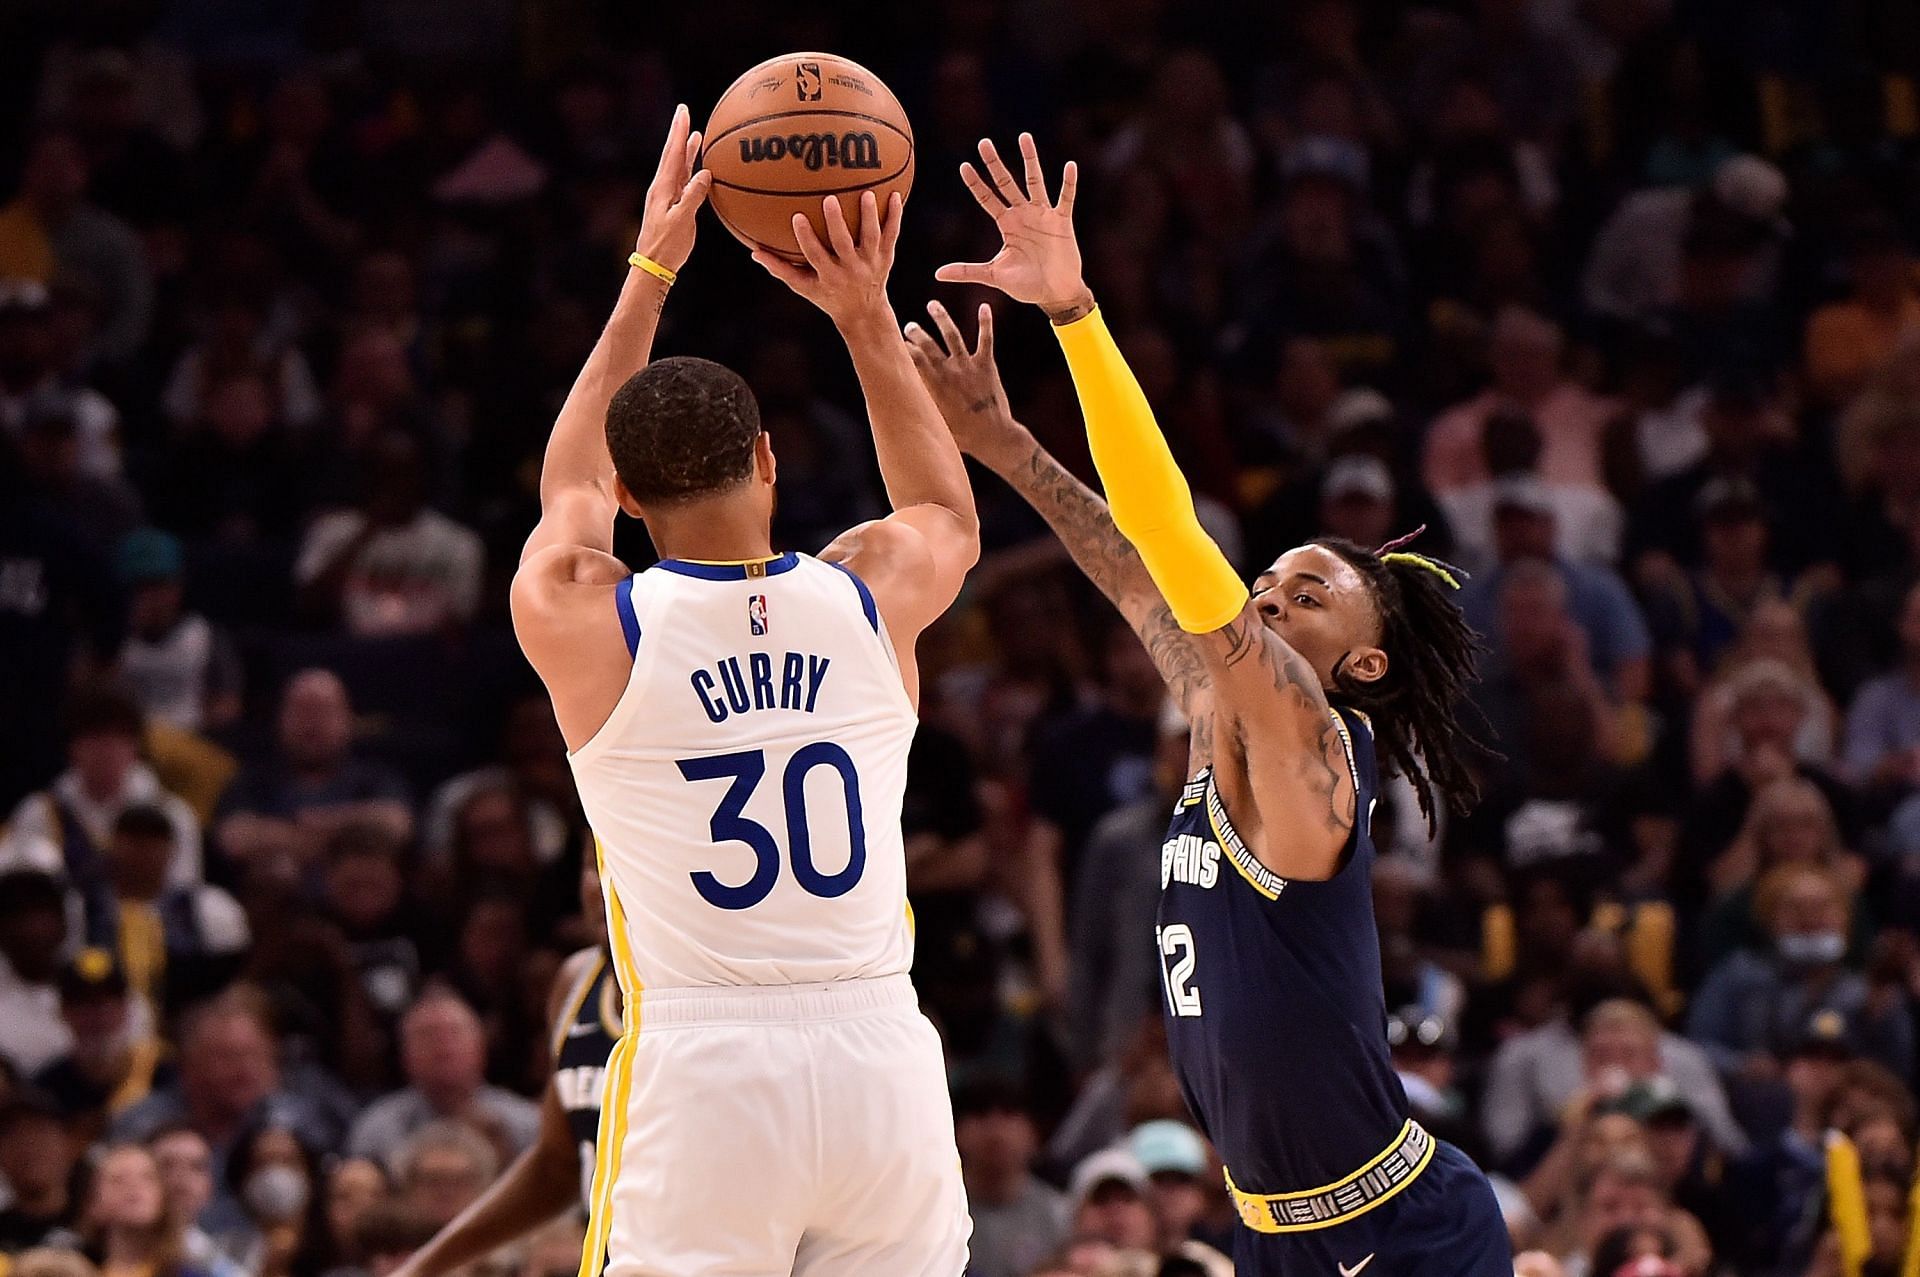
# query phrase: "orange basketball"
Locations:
[[797, 128]]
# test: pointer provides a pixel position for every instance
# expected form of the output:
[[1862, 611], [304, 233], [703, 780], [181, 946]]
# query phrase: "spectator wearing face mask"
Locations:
[[1750, 1006], [276, 1178]]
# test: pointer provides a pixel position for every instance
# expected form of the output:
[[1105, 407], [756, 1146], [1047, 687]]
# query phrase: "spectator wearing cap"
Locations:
[[280, 811], [30, 381], [1849, 338], [115, 1052], [1109, 1191], [33, 934], [103, 505], [1527, 352], [181, 668], [177, 944], [1587, 521], [1423, 1046], [1693, 1171], [1749, 1007], [37, 1159], [1634, 270], [66, 827], [1018, 1220], [1178, 1167], [1882, 742], [443, 1051], [51, 230], [1696, 615]]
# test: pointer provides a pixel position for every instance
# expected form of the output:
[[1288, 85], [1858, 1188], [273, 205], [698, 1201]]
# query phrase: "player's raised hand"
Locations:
[[847, 275], [674, 197], [1039, 258], [965, 384]]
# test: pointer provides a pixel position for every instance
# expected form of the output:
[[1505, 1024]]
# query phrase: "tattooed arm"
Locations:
[[966, 385]]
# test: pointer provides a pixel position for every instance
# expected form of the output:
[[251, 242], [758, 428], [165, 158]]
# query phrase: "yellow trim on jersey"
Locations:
[[732, 563], [613, 1106], [1255, 1208], [575, 1000]]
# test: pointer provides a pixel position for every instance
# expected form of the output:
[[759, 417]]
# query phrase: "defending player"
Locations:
[[557, 1171], [738, 721], [1271, 962]]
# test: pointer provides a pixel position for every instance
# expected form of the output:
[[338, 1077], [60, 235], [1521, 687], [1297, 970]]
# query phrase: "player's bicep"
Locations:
[[914, 561], [552, 592], [578, 516]]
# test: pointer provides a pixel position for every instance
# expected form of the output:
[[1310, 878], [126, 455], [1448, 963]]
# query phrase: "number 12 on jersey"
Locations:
[[1176, 942]]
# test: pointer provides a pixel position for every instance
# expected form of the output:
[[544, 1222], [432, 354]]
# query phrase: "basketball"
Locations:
[[794, 129]]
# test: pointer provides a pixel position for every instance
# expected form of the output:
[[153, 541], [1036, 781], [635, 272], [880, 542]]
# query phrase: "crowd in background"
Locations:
[[1617, 297]]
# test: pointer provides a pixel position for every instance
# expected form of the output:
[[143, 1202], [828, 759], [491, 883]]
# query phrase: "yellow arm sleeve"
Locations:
[[1149, 497]]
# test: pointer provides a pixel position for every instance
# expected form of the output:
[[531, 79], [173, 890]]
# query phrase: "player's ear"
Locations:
[[1365, 664], [764, 467], [625, 498]]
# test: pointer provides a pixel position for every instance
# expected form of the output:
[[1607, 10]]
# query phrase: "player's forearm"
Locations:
[[577, 453], [537, 1186], [919, 462], [1150, 501]]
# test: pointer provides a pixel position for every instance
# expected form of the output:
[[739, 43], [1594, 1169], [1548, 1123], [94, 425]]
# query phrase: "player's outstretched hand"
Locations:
[[846, 276], [1039, 259], [965, 384], [674, 197]]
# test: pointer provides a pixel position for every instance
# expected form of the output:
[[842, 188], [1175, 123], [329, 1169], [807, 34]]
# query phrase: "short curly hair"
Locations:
[[681, 429]]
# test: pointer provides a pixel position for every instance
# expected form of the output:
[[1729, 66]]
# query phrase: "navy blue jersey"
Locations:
[[583, 1038], [1275, 1013]]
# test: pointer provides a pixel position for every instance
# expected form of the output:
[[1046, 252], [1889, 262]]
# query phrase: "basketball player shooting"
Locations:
[[1340, 657], [738, 722]]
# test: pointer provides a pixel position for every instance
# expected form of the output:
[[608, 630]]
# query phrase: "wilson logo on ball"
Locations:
[[815, 150], [806, 80]]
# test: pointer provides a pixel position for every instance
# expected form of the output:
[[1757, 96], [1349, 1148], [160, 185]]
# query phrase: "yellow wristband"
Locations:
[[652, 268]]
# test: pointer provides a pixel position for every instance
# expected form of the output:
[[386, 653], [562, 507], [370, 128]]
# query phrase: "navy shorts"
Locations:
[[1444, 1224]]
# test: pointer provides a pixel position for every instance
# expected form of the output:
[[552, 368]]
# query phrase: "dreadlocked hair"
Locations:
[[1431, 653]]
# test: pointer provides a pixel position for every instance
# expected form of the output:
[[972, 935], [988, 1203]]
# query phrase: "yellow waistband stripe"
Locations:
[[1374, 1184]]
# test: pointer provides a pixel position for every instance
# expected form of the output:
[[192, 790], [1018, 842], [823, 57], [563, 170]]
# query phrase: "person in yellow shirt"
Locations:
[[1850, 338]]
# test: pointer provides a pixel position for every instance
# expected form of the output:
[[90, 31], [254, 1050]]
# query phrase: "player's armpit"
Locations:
[[914, 561], [1298, 776]]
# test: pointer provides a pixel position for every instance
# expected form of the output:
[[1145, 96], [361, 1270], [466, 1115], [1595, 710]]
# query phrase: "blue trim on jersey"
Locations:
[[629, 623], [866, 596], [730, 571]]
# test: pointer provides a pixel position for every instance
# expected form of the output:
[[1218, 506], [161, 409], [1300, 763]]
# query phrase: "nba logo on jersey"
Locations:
[[757, 614]]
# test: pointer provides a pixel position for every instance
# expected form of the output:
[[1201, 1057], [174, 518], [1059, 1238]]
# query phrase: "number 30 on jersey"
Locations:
[[1176, 943]]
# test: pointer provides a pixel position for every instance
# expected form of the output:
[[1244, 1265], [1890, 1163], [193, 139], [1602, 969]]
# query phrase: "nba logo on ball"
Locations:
[[757, 614], [806, 79]]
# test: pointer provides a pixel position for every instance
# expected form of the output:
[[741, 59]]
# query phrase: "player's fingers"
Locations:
[[983, 343], [920, 344], [695, 140], [949, 331], [839, 234], [965, 273], [870, 226], [695, 191], [890, 228], [816, 253], [1036, 176], [982, 193], [786, 272], [676, 144], [997, 170], [1069, 186]]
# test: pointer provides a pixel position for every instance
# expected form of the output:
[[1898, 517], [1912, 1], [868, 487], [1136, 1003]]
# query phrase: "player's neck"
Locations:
[[712, 532]]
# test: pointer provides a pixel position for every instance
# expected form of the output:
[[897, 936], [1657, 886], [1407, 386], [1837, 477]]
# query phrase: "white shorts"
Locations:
[[763, 1131]]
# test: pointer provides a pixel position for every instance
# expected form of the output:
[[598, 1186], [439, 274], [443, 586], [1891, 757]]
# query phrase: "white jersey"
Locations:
[[746, 789]]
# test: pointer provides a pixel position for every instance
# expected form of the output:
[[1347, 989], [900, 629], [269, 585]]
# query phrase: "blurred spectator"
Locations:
[[277, 1181], [104, 506], [365, 894], [115, 1050], [280, 812], [532, 766], [126, 1223], [394, 565], [37, 1157], [1017, 1219], [238, 340], [1748, 1006], [67, 828], [1109, 1191], [1850, 338], [1635, 268], [354, 1187], [441, 1168], [33, 934], [176, 944], [51, 231], [181, 668], [186, 1180], [1177, 1162], [1789, 823], [1504, 505], [443, 1052], [387, 1233], [1695, 615], [1882, 749], [30, 381], [1526, 352], [231, 477]]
